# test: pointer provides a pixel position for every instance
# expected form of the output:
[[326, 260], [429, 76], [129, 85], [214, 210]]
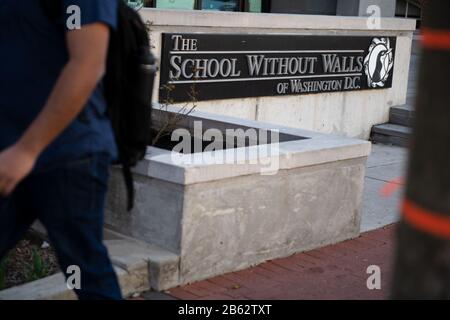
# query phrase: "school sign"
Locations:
[[220, 66]]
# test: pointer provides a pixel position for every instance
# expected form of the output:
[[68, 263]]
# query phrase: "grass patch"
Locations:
[[27, 262]]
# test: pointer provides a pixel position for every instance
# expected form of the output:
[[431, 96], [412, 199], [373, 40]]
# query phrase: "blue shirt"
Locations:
[[32, 55]]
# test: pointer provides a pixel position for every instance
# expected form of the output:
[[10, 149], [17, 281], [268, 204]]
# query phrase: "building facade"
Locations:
[[251, 60], [389, 8]]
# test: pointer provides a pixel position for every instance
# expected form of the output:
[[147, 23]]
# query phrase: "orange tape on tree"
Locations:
[[436, 39], [425, 220]]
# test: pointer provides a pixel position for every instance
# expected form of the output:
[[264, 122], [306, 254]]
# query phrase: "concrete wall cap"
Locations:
[[315, 149], [196, 18]]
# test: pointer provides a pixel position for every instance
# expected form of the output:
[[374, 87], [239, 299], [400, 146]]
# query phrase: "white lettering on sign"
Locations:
[[183, 44], [334, 64], [203, 68], [184, 67], [259, 65]]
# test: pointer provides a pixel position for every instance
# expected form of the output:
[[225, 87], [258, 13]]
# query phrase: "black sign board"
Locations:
[[222, 66]]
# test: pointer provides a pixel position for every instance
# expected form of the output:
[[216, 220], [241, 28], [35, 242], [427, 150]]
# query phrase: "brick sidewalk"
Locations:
[[333, 272]]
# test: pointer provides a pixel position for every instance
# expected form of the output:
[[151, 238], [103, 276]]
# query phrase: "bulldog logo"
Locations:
[[378, 62]]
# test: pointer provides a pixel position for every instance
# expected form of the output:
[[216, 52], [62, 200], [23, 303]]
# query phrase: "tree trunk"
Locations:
[[422, 266]]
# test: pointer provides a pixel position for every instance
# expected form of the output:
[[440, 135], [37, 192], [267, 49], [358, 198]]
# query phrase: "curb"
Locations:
[[139, 268]]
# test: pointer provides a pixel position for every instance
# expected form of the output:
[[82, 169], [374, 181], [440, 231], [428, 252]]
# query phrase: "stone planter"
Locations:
[[222, 217]]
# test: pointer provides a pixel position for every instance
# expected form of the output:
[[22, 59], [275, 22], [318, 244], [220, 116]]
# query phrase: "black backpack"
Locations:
[[128, 86]]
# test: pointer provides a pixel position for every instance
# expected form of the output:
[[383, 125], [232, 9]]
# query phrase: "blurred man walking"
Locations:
[[56, 142]]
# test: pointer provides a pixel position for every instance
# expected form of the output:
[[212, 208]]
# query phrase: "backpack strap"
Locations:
[[129, 185]]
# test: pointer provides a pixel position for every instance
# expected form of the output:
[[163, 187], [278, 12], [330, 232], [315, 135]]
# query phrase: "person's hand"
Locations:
[[15, 164]]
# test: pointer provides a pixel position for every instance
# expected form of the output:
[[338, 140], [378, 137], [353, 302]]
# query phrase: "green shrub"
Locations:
[[38, 269]]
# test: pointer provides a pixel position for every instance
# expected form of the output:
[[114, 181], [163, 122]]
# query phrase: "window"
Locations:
[[175, 4], [216, 5], [254, 6], [221, 5], [410, 9]]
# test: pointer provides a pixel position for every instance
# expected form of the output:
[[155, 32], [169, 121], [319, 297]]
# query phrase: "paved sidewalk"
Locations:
[[333, 272], [385, 164]]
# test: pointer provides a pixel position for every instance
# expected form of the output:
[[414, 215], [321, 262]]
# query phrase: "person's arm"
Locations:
[[87, 49]]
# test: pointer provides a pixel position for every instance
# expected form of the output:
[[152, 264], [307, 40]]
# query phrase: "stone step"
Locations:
[[162, 266], [392, 134], [139, 267], [402, 115], [54, 287]]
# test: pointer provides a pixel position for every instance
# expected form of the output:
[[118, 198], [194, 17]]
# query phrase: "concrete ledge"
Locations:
[[54, 287], [50, 288], [164, 271], [193, 18], [139, 267], [309, 148], [154, 267]]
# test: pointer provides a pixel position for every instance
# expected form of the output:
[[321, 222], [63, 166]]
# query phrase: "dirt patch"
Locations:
[[32, 259]]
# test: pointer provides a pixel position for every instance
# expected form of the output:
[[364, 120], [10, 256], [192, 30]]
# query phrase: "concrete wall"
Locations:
[[157, 215], [227, 225], [225, 216], [350, 114], [230, 225]]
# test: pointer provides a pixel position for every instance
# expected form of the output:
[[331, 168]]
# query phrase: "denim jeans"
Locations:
[[69, 200]]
